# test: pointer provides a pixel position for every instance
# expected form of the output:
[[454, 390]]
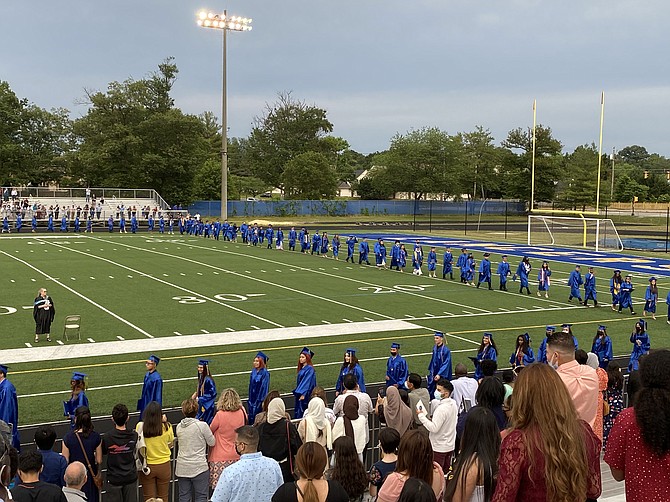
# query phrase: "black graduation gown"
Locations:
[[43, 317]]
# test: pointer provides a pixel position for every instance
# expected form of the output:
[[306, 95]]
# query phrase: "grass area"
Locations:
[[134, 287]]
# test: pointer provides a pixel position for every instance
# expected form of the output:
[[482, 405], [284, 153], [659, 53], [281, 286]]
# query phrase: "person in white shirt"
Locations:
[[464, 387], [352, 424], [364, 403], [442, 426]]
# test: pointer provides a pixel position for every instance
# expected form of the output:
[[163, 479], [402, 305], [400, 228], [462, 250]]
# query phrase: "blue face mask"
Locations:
[[438, 395]]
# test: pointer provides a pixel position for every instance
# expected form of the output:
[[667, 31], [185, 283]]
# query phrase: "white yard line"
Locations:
[[83, 297]]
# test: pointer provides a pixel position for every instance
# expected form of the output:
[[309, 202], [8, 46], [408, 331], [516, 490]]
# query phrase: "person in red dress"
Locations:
[[638, 446], [550, 454]]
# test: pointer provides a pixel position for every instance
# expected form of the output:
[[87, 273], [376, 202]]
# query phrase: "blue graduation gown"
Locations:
[[542, 351], [485, 271], [625, 300], [574, 281], [324, 245], [603, 349], [351, 243], [397, 371], [9, 409], [363, 250], [432, 260], [503, 271], [152, 390], [206, 401], [522, 272], [440, 364], [650, 300], [316, 243], [528, 358], [590, 287], [461, 262], [615, 288], [447, 261], [71, 405], [638, 350], [292, 237], [305, 384], [259, 386], [488, 353], [358, 373]]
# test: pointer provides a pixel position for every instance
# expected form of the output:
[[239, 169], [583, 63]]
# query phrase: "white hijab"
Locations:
[[316, 421]]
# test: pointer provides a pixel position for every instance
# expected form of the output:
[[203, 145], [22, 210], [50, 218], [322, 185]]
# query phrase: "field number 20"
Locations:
[[224, 297], [393, 289]]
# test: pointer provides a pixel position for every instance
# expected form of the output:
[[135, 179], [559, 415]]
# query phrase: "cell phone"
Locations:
[[420, 407]]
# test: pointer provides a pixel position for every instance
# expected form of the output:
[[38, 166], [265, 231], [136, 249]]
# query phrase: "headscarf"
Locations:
[[397, 414], [350, 409], [276, 410], [592, 360], [316, 422]]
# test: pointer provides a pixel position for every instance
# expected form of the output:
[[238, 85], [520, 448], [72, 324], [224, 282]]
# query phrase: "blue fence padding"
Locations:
[[355, 207]]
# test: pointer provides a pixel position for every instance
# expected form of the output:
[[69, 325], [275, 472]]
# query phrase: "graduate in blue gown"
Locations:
[[395, 251], [316, 243], [432, 262], [18, 223], [503, 271], [485, 271], [402, 258], [651, 298], [461, 263], [544, 280], [542, 350], [152, 390], [292, 238], [625, 294], [205, 394], [161, 225], [615, 288], [523, 352], [280, 239], [522, 272], [305, 382], [590, 292], [33, 223], [487, 350], [470, 266], [396, 368], [324, 244], [5, 226], [259, 386], [440, 363], [363, 251], [9, 406], [351, 244], [350, 365], [122, 225], [77, 396], [417, 260], [110, 224], [50, 223], [150, 224], [575, 281], [63, 224], [641, 344], [602, 347], [447, 264], [269, 236], [382, 254], [336, 246], [89, 225]]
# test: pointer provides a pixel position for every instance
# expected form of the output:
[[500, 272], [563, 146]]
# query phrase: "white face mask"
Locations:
[[553, 364], [438, 395]]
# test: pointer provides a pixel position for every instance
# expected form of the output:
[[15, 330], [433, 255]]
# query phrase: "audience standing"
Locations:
[[389, 439], [465, 387], [352, 425], [75, 478], [442, 425], [416, 394], [314, 425], [159, 437], [53, 464], [348, 469], [119, 445], [230, 416], [84, 445], [279, 439], [30, 488], [393, 411], [614, 398]]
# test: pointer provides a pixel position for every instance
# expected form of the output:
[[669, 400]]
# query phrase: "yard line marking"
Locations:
[[173, 285], [12, 280], [428, 315], [325, 322], [277, 270], [199, 273], [263, 271], [247, 272], [165, 275], [59, 342], [467, 312], [255, 327], [345, 320], [216, 273], [83, 297], [230, 329], [368, 318], [335, 268], [255, 294], [504, 310], [521, 308], [303, 323], [177, 333], [91, 340], [33, 280], [182, 274], [205, 331], [130, 277], [28, 345], [250, 277], [92, 278], [72, 279], [28, 307]]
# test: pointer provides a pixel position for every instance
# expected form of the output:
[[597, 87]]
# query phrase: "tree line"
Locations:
[[133, 136]]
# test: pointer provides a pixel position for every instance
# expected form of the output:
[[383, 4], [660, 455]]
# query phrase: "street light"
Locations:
[[224, 23]]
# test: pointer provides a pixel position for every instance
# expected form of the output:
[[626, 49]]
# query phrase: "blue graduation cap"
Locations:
[[439, 333], [351, 352], [488, 335], [551, 329], [78, 376], [154, 359], [602, 327], [203, 362], [486, 255], [262, 356], [395, 345], [566, 327], [643, 323], [504, 256], [652, 278], [305, 350], [3, 369], [526, 337]]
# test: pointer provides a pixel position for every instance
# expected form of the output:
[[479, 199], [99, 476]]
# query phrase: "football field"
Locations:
[[183, 298]]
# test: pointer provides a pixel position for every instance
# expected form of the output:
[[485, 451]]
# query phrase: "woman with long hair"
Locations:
[[261, 417], [487, 350], [474, 474], [523, 352], [159, 438], [550, 454], [641, 344], [415, 460], [416, 490], [259, 384], [638, 446], [523, 272], [350, 365], [205, 393], [602, 346], [279, 439], [592, 361], [491, 395], [613, 398], [543, 281], [310, 464], [230, 415], [615, 288], [650, 299], [77, 396], [314, 425], [352, 424], [84, 445], [348, 469], [305, 382]]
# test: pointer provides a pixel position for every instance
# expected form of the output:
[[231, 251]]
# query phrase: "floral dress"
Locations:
[[615, 400]]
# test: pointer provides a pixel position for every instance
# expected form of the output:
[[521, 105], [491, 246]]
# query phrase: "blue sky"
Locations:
[[378, 67]]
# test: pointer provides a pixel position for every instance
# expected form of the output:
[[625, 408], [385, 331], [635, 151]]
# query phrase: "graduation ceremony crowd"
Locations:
[[533, 432]]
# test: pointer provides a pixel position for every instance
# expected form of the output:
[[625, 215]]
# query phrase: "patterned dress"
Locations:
[[615, 400]]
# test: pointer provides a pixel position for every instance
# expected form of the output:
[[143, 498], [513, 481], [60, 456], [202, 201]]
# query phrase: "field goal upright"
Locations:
[[597, 234]]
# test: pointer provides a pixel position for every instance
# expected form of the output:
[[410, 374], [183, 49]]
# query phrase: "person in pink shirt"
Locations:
[[230, 415], [580, 379]]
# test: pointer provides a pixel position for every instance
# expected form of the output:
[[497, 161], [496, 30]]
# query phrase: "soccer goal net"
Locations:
[[598, 234]]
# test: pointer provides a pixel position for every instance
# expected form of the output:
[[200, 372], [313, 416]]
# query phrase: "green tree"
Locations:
[[635, 155], [309, 176], [626, 189], [480, 163], [377, 185], [577, 186]]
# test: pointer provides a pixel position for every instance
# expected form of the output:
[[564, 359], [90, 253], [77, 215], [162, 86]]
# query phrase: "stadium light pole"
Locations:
[[224, 23]]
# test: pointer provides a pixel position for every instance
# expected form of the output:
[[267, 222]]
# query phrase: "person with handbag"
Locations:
[[279, 439], [158, 437], [84, 445]]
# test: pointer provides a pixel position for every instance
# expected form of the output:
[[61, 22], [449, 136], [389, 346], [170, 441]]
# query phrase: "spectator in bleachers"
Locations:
[[415, 460], [393, 411], [352, 424], [389, 439], [193, 437], [465, 387], [320, 392], [119, 446], [364, 402], [348, 470], [613, 397], [30, 488], [229, 417], [592, 361], [159, 438], [261, 417], [54, 464], [491, 395], [75, 478], [550, 454], [442, 425], [84, 445], [638, 446], [416, 394], [279, 439], [311, 486], [314, 425], [476, 468]]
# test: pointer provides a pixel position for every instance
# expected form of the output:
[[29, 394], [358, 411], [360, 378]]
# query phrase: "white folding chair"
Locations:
[[72, 323]]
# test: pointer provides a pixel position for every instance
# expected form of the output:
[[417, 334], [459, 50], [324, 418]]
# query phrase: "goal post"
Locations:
[[598, 234]]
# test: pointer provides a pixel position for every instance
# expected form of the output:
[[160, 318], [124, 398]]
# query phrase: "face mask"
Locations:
[[553, 364], [238, 451], [438, 395]]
